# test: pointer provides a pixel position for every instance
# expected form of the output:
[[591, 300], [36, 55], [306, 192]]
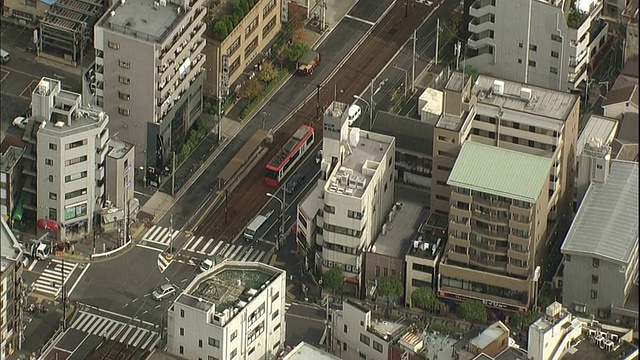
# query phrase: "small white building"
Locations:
[[234, 311]]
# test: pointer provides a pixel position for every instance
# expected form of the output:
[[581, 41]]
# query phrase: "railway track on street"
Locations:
[[386, 38]]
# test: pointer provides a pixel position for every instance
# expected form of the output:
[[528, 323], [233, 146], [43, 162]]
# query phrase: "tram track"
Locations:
[[386, 38]]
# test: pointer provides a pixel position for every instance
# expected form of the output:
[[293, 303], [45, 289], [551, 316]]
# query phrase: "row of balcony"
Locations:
[[183, 35], [482, 7], [163, 86], [497, 265]]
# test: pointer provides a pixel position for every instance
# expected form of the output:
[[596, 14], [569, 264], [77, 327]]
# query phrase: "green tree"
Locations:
[[391, 287], [425, 298], [268, 72], [522, 320], [296, 50], [241, 5], [220, 28], [473, 310], [251, 88], [333, 279]]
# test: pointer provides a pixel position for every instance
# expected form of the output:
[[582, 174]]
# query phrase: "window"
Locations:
[[124, 96], [181, 313], [532, 143], [76, 176], [234, 353], [53, 196], [533, 47], [362, 356], [344, 346], [520, 44], [275, 314], [596, 262], [53, 214], [75, 144], [200, 343], [377, 271], [74, 194], [594, 279], [377, 346], [554, 54], [77, 160], [354, 214], [31, 3], [532, 63], [113, 45], [181, 331], [269, 7], [365, 339], [50, 178], [519, 61], [124, 80], [214, 342], [234, 335], [123, 111], [553, 70], [251, 351], [181, 349], [48, 162], [124, 64], [53, 146], [594, 294], [329, 209], [345, 328], [555, 37], [275, 296], [212, 358]]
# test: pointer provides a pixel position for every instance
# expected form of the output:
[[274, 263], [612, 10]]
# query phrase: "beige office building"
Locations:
[[508, 115], [497, 226], [228, 57]]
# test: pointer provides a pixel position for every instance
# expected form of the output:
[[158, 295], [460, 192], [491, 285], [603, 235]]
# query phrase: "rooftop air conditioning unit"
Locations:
[[498, 87], [525, 94], [416, 244], [424, 246], [163, 2]]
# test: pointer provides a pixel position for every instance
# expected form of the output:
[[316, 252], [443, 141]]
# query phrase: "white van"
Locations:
[[4, 56], [354, 113]]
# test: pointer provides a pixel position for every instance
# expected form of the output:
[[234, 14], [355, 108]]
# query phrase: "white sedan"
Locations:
[[21, 122]]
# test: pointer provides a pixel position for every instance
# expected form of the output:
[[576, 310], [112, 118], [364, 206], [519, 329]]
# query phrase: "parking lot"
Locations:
[[22, 73]]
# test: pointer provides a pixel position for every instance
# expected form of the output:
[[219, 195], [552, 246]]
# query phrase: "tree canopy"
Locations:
[[425, 298], [473, 310], [251, 88], [333, 279], [268, 72]]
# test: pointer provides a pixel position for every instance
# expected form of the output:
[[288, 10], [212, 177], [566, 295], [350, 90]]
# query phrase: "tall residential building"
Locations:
[[11, 268], [508, 115], [234, 311], [601, 249], [547, 43], [228, 56], [119, 181], [71, 143], [340, 221], [149, 73], [497, 226]]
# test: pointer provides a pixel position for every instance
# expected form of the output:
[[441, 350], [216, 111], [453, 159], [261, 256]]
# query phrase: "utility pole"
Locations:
[[371, 107], [64, 300], [318, 102], [226, 206], [437, 39], [173, 173], [413, 62], [219, 116], [171, 235]]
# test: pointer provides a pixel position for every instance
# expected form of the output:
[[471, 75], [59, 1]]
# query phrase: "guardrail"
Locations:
[[109, 253]]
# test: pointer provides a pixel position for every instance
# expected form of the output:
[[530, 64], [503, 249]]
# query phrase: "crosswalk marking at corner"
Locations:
[[50, 281], [131, 334], [160, 235], [163, 263], [193, 251]]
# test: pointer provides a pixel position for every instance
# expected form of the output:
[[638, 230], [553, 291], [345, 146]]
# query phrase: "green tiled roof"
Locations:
[[498, 171]]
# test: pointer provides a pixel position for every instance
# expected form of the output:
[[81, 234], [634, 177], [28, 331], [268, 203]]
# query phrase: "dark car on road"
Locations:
[[293, 183]]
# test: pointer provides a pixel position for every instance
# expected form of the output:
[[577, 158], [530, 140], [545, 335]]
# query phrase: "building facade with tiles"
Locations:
[[236, 310]]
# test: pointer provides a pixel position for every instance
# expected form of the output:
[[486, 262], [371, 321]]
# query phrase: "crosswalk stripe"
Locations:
[[94, 326], [213, 252], [204, 248], [189, 242], [235, 253], [246, 254], [229, 250], [146, 343], [113, 329], [161, 235], [257, 256], [196, 244], [124, 337], [100, 329], [151, 233], [132, 335]]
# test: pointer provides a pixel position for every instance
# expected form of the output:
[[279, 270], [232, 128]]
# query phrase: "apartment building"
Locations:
[[149, 74], [547, 43], [423, 256], [11, 335], [497, 226], [10, 182], [71, 143], [601, 249], [236, 310], [119, 180], [508, 115], [357, 193], [228, 56], [357, 335]]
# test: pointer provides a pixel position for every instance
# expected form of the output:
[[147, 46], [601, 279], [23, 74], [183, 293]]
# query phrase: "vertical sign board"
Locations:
[[284, 16], [224, 78]]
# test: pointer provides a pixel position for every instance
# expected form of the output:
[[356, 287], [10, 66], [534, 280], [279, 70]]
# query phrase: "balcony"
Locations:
[[512, 254], [456, 241], [491, 202], [457, 257], [479, 25], [520, 271], [578, 76], [489, 248], [491, 217], [482, 7], [477, 41], [503, 235], [488, 263], [519, 240]]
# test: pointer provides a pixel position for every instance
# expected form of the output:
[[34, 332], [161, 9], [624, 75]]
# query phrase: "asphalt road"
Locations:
[[304, 323]]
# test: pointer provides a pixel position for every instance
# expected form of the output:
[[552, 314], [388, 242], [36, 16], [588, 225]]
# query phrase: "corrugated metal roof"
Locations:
[[606, 224], [600, 127], [501, 172]]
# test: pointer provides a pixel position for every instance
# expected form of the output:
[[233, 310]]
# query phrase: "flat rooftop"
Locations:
[[304, 351], [430, 238], [118, 149], [401, 230], [598, 127], [486, 337], [585, 350], [10, 158], [141, 19], [498, 171], [356, 172], [86, 120], [9, 246], [544, 103], [606, 224], [228, 284]]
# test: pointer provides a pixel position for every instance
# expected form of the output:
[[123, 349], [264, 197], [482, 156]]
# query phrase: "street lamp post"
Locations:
[[281, 228], [369, 104], [406, 78]]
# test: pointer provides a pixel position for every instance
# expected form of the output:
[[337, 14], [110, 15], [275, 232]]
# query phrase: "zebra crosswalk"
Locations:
[[132, 334], [53, 277], [160, 235], [163, 262], [210, 247]]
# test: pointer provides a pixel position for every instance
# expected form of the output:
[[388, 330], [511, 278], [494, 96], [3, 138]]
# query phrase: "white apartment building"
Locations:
[[149, 73], [234, 311], [552, 334], [356, 335], [547, 43], [11, 268], [340, 222], [71, 158]]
